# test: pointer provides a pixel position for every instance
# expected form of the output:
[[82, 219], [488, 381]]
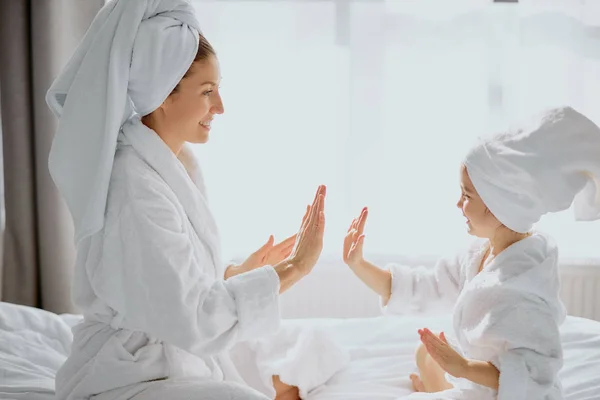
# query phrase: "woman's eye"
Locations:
[[208, 92]]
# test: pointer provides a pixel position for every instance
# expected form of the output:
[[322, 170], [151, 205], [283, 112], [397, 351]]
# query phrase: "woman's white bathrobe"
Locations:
[[151, 288], [508, 314]]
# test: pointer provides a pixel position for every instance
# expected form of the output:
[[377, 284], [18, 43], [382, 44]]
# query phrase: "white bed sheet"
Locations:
[[382, 357], [34, 343]]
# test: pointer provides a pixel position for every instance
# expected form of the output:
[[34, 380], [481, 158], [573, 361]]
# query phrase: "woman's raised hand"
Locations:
[[309, 240]]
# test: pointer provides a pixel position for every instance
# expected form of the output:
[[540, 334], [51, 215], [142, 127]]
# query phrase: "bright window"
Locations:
[[380, 100]]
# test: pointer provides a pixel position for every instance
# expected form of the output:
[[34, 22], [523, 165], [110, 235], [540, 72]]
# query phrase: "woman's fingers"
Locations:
[[314, 208], [289, 249], [314, 216], [318, 225], [311, 224], [287, 253], [306, 214], [289, 246], [289, 242], [321, 231], [305, 217], [320, 192], [311, 209], [266, 247]]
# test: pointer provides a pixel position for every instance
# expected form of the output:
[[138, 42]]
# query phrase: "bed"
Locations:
[[34, 343]]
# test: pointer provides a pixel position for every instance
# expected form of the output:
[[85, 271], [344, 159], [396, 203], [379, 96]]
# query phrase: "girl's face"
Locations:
[[480, 221]]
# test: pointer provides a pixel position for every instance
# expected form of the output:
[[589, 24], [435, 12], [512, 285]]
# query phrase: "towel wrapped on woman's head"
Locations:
[[131, 58]]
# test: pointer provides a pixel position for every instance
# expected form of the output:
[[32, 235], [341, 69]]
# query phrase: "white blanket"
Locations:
[[33, 343]]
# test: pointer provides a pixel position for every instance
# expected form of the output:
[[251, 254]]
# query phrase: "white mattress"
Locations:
[[34, 343]]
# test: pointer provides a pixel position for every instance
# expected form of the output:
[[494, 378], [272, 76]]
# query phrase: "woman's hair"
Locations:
[[205, 50]]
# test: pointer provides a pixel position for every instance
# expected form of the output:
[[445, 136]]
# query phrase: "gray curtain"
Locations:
[[36, 39]]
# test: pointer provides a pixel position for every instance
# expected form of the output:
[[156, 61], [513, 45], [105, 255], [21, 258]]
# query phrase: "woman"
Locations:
[[160, 316], [504, 291]]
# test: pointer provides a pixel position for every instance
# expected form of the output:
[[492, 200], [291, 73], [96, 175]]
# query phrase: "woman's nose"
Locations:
[[217, 107]]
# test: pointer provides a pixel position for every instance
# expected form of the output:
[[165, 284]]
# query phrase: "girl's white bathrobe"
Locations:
[[508, 314], [151, 288]]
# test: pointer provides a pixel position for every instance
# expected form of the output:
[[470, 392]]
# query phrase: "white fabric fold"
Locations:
[[154, 151], [545, 164], [429, 290], [133, 55], [302, 356]]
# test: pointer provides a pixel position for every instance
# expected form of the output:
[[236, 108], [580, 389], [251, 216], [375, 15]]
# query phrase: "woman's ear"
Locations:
[[150, 119]]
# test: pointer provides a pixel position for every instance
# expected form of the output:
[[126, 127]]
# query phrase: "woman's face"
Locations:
[[186, 115], [480, 222]]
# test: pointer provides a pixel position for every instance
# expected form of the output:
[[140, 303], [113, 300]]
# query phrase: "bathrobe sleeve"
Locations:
[[150, 274], [530, 352], [424, 289]]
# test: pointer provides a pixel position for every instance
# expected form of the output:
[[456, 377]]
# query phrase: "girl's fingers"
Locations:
[[433, 339], [362, 220], [351, 225], [443, 337]]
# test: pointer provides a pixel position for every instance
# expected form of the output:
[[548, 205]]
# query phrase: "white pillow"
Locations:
[[33, 345]]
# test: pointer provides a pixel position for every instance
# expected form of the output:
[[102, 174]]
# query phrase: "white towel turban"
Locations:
[[545, 165], [131, 58]]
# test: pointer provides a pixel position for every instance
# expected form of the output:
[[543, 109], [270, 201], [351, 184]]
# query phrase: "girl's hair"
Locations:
[[205, 50]]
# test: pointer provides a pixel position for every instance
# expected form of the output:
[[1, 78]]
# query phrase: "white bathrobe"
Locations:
[[151, 288], [154, 300], [508, 314]]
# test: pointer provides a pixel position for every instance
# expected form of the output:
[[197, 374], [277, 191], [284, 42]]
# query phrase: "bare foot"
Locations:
[[285, 391], [417, 383]]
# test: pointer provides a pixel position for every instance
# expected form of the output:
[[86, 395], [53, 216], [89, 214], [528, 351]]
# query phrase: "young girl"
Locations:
[[505, 288]]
